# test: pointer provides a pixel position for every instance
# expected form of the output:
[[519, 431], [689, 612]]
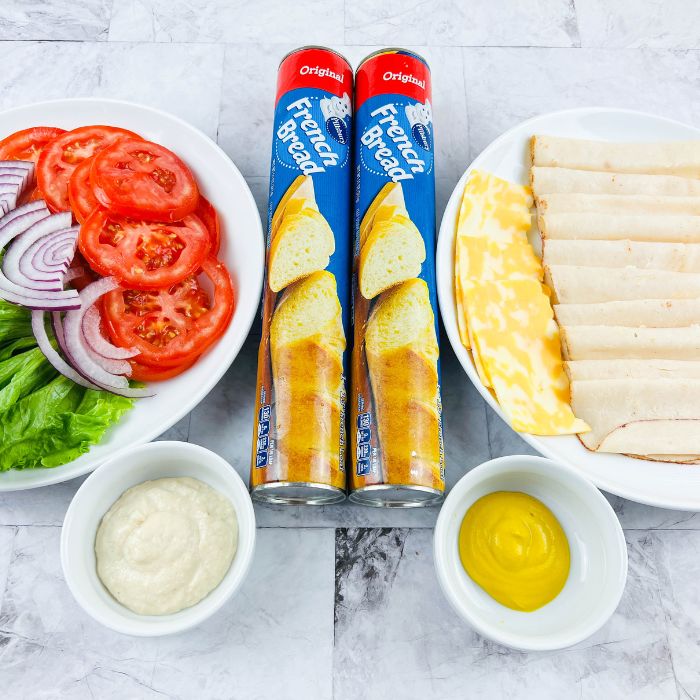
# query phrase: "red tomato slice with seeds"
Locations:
[[144, 180], [206, 212], [27, 144], [175, 324], [144, 373], [143, 254], [80, 195], [61, 156]]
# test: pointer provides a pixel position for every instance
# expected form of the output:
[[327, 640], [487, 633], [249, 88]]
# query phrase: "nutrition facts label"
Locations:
[[364, 448], [263, 443]]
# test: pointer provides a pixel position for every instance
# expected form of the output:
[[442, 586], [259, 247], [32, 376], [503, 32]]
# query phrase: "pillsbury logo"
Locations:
[[420, 119], [336, 110]]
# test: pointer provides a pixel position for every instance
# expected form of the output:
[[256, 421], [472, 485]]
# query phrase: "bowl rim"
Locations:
[[247, 315], [155, 625], [548, 468]]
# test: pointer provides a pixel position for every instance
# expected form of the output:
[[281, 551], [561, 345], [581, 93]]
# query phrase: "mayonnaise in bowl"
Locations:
[[165, 544]]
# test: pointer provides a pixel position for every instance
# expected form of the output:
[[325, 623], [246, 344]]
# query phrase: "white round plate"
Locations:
[[656, 483], [242, 249]]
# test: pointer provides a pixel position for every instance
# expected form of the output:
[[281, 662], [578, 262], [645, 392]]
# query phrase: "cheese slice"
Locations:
[[492, 227], [518, 342]]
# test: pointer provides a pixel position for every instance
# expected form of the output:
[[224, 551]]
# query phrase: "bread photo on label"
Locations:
[[402, 357], [389, 202], [393, 253], [303, 244], [307, 342], [299, 195]]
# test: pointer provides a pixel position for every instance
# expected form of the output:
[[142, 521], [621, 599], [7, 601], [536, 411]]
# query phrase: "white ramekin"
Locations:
[[596, 541], [104, 486]]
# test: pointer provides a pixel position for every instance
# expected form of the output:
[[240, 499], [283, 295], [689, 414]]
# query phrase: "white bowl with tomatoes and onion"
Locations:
[[136, 248]]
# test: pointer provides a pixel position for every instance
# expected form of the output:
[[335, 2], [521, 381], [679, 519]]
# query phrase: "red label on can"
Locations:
[[397, 73], [314, 68]]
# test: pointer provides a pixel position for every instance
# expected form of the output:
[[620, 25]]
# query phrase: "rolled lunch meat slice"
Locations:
[[609, 404], [546, 180], [632, 369], [674, 257], [592, 226], [635, 313], [617, 204], [668, 158], [572, 284], [618, 342]]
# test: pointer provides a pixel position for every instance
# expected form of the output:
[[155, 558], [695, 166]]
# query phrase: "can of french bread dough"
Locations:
[[299, 436], [395, 408]]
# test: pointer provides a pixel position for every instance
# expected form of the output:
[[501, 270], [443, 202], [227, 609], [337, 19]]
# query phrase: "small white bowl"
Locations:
[[102, 488], [596, 542]]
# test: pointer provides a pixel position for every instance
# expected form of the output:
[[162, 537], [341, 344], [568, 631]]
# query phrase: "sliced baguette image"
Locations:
[[393, 253], [303, 244], [307, 343], [402, 355], [299, 195], [388, 203]]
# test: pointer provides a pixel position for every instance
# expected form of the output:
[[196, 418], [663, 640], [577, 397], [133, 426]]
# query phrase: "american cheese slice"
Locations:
[[518, 342]]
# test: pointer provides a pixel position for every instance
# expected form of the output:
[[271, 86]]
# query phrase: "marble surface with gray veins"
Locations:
[[342, 602]]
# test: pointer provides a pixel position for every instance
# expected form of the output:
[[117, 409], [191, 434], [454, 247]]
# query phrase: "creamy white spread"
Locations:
[[165, 544]]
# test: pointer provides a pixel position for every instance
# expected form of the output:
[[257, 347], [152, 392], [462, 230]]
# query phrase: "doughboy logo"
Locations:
[[420, 119], [336, 110]]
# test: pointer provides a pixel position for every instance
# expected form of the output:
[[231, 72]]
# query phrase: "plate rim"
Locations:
[[52, 476], [534, 441]]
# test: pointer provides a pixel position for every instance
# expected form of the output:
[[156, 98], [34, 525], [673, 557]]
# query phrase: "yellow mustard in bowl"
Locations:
[[515, 549]]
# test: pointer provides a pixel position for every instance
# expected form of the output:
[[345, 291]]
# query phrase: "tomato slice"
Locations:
[[174, 324], [206, 212], [143, 254], [80, 195], [60, 157], [145, 373], [144, 180], [27, 144]]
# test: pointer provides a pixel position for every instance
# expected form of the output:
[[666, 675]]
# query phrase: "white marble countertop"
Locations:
[[342, 602]]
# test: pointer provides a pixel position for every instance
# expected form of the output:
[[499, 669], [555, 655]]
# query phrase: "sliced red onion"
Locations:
[[17, 287], [27, 165], [50, 256], [75, 344], [95, 339], [28, 262], [59, 332], [9, 292], [72, 273], [20, 219], [52, 355], [57, 325]]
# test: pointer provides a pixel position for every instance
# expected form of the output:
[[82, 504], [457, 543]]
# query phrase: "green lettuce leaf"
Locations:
[[15, 322], [14, 347], [21, 375], [56, 424]]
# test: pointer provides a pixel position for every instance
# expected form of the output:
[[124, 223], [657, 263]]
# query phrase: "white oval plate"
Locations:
[[654, 483], [242, 249]]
